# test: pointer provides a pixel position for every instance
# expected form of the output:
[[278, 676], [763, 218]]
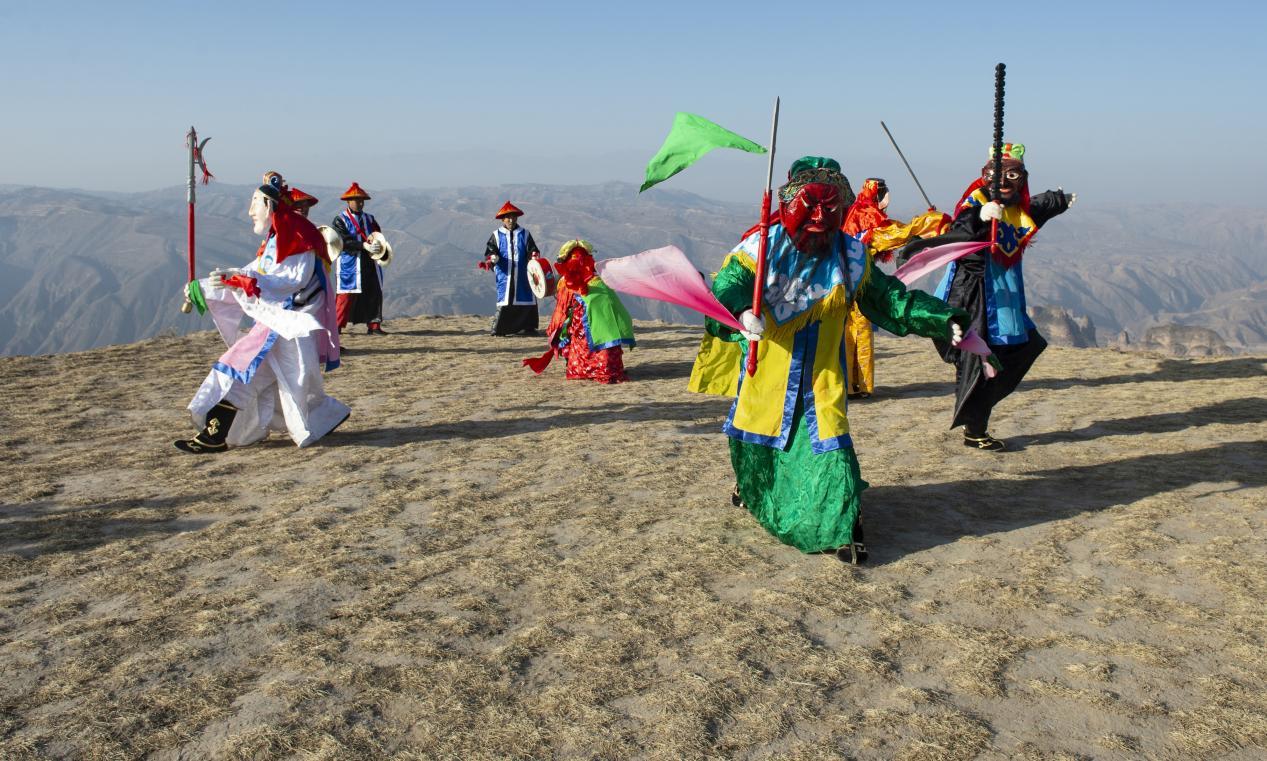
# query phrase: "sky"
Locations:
[[1119, 101]]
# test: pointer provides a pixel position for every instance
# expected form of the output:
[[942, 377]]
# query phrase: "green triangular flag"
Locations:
[[691, 137]]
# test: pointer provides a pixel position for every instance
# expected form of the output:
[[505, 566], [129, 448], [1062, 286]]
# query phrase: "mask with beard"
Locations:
[[813, 215], [1012, 185], [576, 266]]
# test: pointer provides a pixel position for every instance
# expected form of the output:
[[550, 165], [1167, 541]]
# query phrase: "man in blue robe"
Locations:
[[507, 254], [360, 277]]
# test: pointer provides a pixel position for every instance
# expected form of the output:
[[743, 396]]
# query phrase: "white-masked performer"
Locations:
[[270, 379]]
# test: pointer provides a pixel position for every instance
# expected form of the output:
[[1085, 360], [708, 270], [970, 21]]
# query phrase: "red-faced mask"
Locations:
[[577, 269], [813, 216]]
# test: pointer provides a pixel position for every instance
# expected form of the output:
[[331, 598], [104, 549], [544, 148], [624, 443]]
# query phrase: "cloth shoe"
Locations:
[[211, 440], [985, 442], [854, 553]]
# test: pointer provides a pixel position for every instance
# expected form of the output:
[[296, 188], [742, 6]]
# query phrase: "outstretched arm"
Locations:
[[1052, 203], [733, 288], [885, 301]]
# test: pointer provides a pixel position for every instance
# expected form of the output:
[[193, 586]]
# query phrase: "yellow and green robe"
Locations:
[[789, 433]]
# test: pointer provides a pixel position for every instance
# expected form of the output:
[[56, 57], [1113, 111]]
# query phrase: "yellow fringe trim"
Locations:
[[834, 304]]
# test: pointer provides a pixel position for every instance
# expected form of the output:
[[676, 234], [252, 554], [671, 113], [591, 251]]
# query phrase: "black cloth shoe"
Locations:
[[375, 330], [737, 500], [211, 439], [854, 553], [986, 442]]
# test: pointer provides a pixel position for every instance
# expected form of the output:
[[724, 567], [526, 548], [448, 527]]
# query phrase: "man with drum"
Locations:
[[360, 277], [507, 254]]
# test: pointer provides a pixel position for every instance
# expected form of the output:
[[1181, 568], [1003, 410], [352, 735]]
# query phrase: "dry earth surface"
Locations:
[[484, 564]]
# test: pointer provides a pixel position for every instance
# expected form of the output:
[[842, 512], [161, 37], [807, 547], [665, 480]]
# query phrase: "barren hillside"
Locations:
[[485, 564]]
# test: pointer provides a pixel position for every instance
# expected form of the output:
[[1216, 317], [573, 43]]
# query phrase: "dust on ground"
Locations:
[[485, 564]]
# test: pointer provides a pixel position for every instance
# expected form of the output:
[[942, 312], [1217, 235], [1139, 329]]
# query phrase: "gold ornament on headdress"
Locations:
[[818, 175]]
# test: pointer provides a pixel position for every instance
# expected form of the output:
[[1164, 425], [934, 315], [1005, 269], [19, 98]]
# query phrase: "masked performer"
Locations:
[[507, 254], [589, 327], [789, 434], [360, 282], [270, 378], [868, 221], [990, 286]]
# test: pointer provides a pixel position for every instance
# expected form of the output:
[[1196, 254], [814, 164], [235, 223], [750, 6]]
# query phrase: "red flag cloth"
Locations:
[[248, 284], [539, 364]]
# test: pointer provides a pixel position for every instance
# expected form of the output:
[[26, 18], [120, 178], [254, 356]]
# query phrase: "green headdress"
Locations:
[[816, 169]]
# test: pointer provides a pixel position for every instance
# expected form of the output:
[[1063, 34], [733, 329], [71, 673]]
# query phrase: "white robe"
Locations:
[[284, 389]]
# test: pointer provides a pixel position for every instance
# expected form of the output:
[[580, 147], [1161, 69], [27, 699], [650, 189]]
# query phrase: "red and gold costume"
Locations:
[[589, 327], [867, 221]]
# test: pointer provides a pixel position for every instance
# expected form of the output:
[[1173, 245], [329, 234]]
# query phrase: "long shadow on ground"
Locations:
[[658, 370], [529, 420], [941, 513], [365, 351], [41, 528], [1173, 370], [473, 332], [1236, 411]]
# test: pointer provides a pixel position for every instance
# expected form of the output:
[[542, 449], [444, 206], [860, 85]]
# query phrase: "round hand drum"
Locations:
[[540, 278]]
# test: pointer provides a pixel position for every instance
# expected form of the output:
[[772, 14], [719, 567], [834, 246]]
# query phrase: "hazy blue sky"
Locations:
[[1120, 101]]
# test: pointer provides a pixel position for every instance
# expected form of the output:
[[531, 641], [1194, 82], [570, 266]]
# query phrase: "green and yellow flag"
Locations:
[[691, 137]]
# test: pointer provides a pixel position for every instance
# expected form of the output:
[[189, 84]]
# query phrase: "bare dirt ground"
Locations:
[[485, 564]]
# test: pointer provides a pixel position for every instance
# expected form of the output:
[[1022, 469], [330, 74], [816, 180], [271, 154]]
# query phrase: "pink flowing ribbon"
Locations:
[[939, 256], [934, 257], [975, 344], [665, 274]]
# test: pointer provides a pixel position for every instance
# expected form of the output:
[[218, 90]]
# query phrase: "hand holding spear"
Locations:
[[193, 294], [759, 286], [999, 72]]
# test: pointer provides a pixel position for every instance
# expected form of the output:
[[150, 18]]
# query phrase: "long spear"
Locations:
[[902, 156], [999, 72], [195, 159], [759, 285]]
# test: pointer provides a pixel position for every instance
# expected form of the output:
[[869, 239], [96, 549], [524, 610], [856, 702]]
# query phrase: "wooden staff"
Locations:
[[999, 72]]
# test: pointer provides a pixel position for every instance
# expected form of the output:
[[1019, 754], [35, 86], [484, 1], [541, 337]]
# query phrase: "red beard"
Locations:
[[577, 270], [813, 216]]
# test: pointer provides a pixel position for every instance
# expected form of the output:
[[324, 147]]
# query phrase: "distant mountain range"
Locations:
[[86, 269]]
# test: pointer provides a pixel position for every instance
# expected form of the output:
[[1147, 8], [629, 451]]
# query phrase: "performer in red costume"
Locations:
[[589, 327], [868, 221]]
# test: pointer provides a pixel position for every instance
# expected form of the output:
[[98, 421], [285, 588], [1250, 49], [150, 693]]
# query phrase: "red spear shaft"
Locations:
[[759, 286], [195, 160]]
